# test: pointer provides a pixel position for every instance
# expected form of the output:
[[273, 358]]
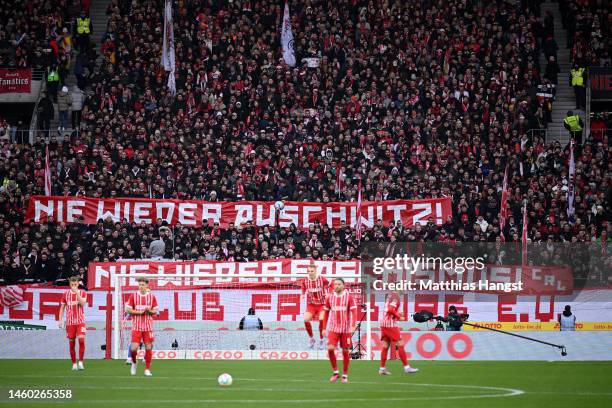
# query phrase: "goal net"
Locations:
[[207, 317]]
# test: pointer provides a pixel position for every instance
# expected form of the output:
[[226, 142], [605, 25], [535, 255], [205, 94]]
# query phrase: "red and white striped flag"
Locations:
[[358, 223], [47, 173], [11, 296], [524, 236], [503, 213]]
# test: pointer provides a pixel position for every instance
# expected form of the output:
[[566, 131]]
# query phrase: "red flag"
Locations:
[[240, 189], [47, 173], [358, 224], [11, 296], [339, 183], [503, 213], [524, 237]]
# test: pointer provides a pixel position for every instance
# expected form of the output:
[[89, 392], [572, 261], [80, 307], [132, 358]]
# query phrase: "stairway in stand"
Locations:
[[565, 100], [97, 13]]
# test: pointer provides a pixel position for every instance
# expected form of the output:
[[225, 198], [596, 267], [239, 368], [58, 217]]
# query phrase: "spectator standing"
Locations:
[[79, 69], [552, 70], [46, 112], [157, 248], [64, 104], [78, 96], [550, 48]]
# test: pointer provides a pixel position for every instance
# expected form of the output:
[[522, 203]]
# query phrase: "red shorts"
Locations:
[[344, 339], [74, 330], [315, 310], [142, 337], [391, 334]]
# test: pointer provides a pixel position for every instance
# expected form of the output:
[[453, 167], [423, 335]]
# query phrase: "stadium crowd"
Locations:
[[589, 30], [417, 102]]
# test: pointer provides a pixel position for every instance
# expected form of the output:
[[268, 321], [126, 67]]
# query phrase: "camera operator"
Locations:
[[453, 320]]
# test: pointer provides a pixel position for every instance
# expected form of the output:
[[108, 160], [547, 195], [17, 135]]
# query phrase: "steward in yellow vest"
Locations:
[[578, 82], [83, 31], [574, 125], [52, 81], [83, 25]]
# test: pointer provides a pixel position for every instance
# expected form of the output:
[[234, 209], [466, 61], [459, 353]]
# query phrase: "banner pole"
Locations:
[[116, 322], [368, 321]]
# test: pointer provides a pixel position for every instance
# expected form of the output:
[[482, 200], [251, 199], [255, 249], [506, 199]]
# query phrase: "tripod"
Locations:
[[357, 351]]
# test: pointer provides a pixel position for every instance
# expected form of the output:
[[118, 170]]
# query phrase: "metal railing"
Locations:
[[22, 136], [587, 119], [600, 133], [563, 136], [39, 74], [549, 135], [34, 120]]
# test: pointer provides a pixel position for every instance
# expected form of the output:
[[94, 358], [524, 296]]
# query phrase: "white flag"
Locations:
[[47, 173], [287, 38], [570, 182], [168, 58], [359, 223]]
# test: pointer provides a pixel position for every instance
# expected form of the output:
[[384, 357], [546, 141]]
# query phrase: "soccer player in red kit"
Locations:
[[315, 288], [142, 305], [341, 313], [72, 302], [391, 335]]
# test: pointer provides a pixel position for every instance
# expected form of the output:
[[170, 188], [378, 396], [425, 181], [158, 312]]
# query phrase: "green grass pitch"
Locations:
[[268, 384]]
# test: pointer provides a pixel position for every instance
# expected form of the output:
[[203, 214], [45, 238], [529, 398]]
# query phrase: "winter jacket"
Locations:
[[78, 97], [64, 101]]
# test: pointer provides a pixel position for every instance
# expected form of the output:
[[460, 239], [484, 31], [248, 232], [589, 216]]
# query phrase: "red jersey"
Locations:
[[391, 314], [74, 311], [342, 311], [138, 301], [315, 290]]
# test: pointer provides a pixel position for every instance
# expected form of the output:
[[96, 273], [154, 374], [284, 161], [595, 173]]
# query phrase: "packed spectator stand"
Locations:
[[417, 99]]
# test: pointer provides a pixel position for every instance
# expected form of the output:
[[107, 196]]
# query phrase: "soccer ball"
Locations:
[[279, 205], [225, 380]]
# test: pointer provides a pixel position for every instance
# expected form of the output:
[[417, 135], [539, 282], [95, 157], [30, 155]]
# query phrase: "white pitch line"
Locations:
[[506, 392], [221, 389], [570, 393], [274, 401]]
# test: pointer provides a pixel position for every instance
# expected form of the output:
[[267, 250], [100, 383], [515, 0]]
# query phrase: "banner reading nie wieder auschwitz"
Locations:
[[239, 213]]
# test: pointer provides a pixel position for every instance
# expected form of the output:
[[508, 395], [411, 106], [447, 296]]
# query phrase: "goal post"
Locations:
[[199, 316]]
